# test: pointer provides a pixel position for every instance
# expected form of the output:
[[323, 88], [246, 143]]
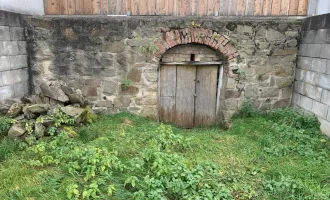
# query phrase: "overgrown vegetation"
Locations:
[[277, 155]]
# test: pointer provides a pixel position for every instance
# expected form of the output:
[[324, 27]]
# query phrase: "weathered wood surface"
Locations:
[[206, 95], [185, 96], [178, 7]]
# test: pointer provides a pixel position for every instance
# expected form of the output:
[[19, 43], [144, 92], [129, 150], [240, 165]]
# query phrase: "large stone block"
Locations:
[[17, 33], [18, 62], [4, 63], [110, 87], [269, 92], [325, 51], [4, 33], [308, 37], [320, 109], [321, 36], [304, 63], [251, 91], [299, 87], [323, 81], [306, 103], [21, 89], [6, 92], [325, 97], [319, 65], [313, 92], [325, 127], [300, 74], [114, 47], [310, 77], [296, 98], [14, 76], [274, 36]]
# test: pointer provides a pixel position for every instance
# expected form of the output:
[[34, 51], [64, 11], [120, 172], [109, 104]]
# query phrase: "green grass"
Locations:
[[257, 158]]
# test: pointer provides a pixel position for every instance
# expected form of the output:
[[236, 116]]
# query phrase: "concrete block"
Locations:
[[320, 109], [300, 74], [306, 103], [6, 92], [305, 63], [18, 62], [308, 37], [303, 50], [14, 76], [310, 77], [325, 127], [325, 97], [4, 33], [4, 63], [17, 33], [327, 71], [296, 98], [321, 36], [21, 89], [8, 48], [325, 51], [21, 47], [319, 65], [313, 92], [315, 50], [299, 87], [323, 81], [328, 117]]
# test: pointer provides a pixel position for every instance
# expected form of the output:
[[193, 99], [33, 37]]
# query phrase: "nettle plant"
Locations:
[[151, 47]]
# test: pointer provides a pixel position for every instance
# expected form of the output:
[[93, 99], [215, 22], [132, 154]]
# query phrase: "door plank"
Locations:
[[232, 8], [276, 7], [267, 8], [258, 6], [79, 7], [87, 7], [210, 7], [240, 7], [71, 7], [185, 100], [202, 7], [96, 7], [143, 7], [293, 10], [217, 7], [167, 93], [285, 7], [224, 7], [303, 6], [206, 95], [249, 7], [104, 7]]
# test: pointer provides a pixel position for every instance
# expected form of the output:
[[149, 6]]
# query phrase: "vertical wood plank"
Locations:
[[88, 7], [104, 7], [285, 7], [276, 7], [210, 7], [186, 7], [267, 8], [53, 7], [249, 7], [160, 7], [258, 7], [63, 7], [167, 93], [134, 7], [240, 7], [232, 8], [194, 7], [205, 103], [119, 7], [79, 7], [224, 7], [112, 7], [71, 7], [293, 9], [125, 7], [303, 7], [216, 7], [151, 7], [96, 7], [202, 7], [185, 100], [143, 7]]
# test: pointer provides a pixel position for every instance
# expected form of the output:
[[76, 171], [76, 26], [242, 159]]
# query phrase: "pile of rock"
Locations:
[[35, 114]]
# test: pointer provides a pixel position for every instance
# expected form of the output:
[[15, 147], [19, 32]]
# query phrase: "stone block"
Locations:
[[4, 63], [274, 36], [21, 46], [321, 36], [269, 92], [114, 47], [286, 92], [296, 98], [21, 89], [300, 74], [299, 87], [18, 62], [231, 83], [89, 91], [232, 94], [282, 103], [149, 112], [325, 127], [320, 109], [6, 92], [313, 92], [325, 97], [150, 74], [325, 52], [328, 116], [308, 37], [134, 75], [284, 82], [328, 67], [4, 33], [305, 63], [323, 81], [150, 100], [107, 104], [319, 65], [14, 76], [17, 33], [93, 82], [244, 29], [306, 103], [122, 102], [109, 87], [251, 91], [310, 77]]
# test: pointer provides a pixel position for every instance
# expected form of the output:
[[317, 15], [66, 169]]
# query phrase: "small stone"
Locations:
[[122, 102], [134, 75], [151, 100], [269, 92], [36, 108], [149, 112], [232, 94], [251, 91], [283, 103], [78, 114], [54, 93], [17, 130], [151, 75], [15, 110], [261, 70], [107, 104], [39, 130], [132, 90], [76, 99]]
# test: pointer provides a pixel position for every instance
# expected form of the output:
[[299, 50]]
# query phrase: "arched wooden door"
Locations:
[[188, 94]]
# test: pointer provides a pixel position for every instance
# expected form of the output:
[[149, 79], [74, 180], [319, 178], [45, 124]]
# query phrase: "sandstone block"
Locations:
[[319, 65], [320, 109], [306, 103], [54, 93], [36, 108]]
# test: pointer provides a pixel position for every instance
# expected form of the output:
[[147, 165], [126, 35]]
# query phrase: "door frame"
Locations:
[[198, 63]]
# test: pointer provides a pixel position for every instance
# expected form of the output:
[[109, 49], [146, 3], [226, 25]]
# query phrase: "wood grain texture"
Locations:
[[185, 100], [232, 8], [134, 4], [276, 7], [88, 7], [303, 7], [167, 93], [224, 7], [186, 7], [216, 7], [267, 8], [143, 4], [284, 7], [79, 7], [258, 7], [240, 8], [210, 7], [202, 7], [104, 7], [293, 8], [205, 103], [53, 7], [194, 4], [151, 7], [249, 7], [96, 7], [71, 7], [160, 7]]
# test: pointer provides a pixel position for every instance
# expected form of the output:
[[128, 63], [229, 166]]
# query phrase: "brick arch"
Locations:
[[203, 36]]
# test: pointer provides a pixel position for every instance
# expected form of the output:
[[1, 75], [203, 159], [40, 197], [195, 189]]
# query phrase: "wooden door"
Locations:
[[188, 95]]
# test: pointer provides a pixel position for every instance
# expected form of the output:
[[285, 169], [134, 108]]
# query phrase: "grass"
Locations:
[[260, 157]]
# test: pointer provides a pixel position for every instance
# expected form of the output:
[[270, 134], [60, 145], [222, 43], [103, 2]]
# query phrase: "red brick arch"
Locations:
[[195, 35]]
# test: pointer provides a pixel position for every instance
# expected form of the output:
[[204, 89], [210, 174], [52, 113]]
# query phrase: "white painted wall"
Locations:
[[319, 7], [33, 7]]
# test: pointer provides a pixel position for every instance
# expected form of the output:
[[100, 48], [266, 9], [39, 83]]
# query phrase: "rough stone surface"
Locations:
[[54, 93], [78, 114], [15, 110], [16, 130], [39, 130], [36, 108]]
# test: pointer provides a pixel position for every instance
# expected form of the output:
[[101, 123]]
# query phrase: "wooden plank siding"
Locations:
[[178, 7]]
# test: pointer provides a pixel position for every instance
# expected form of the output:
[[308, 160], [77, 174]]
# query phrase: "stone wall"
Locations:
[[13, 57], [312, 85], [98, 54]]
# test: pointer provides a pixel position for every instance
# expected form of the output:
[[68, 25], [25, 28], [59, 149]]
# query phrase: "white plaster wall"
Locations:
[[33, 7], [319, 7]]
